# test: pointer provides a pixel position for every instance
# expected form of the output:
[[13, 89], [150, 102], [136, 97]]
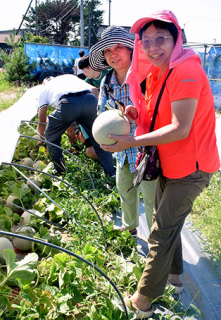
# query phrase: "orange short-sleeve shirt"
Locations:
[[199, 149]]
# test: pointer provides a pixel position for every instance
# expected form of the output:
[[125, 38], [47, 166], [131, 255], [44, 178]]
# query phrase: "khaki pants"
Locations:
[[174, 201], [130, 200]]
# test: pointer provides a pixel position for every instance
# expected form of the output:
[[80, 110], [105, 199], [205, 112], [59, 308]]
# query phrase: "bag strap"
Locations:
[[158, 102], [107, 87]]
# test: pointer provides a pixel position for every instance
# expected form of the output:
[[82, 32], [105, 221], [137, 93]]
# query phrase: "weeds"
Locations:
[[206, 217]]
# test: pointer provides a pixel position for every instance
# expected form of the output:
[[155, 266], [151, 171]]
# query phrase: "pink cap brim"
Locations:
[[162, 16]]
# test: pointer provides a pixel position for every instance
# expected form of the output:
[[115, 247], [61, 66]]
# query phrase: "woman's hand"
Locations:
[[131, 112], [123, 142]]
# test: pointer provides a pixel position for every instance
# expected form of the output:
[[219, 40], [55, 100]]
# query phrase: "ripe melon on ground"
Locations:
[[36, 181], [28, 162], [38, 165], [110, 122], [22, 244], [9, 203], [26, 216], [4, 244]]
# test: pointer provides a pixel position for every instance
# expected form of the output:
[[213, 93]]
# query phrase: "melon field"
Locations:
[[66, 262], [60, 256]]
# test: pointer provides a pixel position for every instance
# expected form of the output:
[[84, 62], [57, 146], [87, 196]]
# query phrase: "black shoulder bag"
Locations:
[[147, 161]]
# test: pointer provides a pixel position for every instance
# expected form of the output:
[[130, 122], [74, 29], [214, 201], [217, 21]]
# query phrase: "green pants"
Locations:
[[173, 202], [130, 200]]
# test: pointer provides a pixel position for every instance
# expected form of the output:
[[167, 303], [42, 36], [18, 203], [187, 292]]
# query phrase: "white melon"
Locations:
[[35, 180], [38, 165], [110, 122], [4, 244], [9, 203], [28, 162], [25, 217], [22, 244]]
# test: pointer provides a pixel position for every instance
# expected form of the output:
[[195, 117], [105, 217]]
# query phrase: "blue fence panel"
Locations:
[[52, 57], [210, 55]]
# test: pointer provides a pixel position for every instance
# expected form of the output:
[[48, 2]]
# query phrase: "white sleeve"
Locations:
[[43, 99]]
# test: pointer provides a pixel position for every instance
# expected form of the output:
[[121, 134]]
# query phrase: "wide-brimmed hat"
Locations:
[[110, 37]]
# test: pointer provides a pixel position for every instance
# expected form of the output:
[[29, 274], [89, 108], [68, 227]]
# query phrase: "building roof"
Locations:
[[102, 27], [3, 36]]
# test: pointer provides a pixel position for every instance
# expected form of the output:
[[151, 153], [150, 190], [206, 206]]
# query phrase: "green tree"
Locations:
[[56, 19], [59, 21], [16, 64], [93, 18], [30, 37], [12, 42]]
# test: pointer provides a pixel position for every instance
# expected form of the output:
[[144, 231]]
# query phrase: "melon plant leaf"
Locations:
[[21, 270], [19, 191], [5, 293], [5, 223], [138, 272]]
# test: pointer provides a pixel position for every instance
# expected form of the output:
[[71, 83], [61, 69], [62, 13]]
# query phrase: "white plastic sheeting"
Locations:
[[10, 120]]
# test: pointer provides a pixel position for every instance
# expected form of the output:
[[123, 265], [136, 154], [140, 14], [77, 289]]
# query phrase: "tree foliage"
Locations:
[[30, 37], [93, 18], [55, 19], [12, 42], [59, 21], [16, 64]]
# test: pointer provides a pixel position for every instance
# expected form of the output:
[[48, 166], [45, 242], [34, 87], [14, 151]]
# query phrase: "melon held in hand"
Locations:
[[110, 122]]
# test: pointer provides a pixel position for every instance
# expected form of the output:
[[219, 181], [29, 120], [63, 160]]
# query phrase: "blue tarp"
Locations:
[[50, 57], [211, 60]]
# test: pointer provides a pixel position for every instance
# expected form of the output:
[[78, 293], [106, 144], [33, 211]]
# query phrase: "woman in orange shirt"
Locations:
[[184, 134]]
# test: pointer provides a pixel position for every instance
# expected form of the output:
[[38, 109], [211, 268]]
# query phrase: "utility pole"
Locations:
[[89, 30], [36, 17], [109, 11], [24, 17], [82, 24]]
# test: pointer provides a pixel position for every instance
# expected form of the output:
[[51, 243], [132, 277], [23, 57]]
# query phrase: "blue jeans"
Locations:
[[83, 109]]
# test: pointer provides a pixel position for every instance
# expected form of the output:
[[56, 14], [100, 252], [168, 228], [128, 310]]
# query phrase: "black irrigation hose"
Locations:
[[71, 254], [68, 184], [40, 217], [37, 122], [13, 165], [71, 154]]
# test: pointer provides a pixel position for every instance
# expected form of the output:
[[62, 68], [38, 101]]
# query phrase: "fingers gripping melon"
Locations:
[[110, 122]]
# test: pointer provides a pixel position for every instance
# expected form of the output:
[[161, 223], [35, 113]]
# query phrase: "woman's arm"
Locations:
[[183, 112]]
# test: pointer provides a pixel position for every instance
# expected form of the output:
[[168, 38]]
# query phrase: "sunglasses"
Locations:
[[158, 42]]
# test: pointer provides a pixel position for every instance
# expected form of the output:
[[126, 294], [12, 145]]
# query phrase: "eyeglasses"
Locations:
[[158, 42]]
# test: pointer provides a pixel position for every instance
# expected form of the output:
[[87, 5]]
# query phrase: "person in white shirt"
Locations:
[[74, 100], [77, 71]]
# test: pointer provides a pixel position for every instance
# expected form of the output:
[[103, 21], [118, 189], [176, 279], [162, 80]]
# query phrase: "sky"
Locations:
[[201, 19]]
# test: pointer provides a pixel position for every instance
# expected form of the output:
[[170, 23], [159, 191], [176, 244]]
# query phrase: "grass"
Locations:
[[9, 94], [206, 211], [206, 217]]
